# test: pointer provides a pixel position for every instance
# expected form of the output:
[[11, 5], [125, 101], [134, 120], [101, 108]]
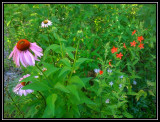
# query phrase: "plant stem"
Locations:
[[42, 97], [61, 48], [100, 99], [43, 74], [14, 103], [74, 60]]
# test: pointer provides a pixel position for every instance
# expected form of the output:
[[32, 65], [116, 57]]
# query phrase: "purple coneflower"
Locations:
[[18, 89], [46, 23], [22, 53]]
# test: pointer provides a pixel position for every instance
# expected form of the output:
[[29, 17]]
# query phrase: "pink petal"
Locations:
[[21, 59], [27, 58], [12, 53], [17, 59], [36, 53], [36, 58], [39, 49], [32, 58]]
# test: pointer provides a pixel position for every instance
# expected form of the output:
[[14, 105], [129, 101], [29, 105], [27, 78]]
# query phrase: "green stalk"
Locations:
[[43, 74], [100, 99], [61, 49], [42, 97], [75, 58], [15, 103]]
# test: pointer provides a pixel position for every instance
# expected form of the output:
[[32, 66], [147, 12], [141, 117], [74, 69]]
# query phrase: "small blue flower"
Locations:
[[121, 76], [120, 85], [111, 83], [109, 71], [96, 70], [134, 82], [107, 101]]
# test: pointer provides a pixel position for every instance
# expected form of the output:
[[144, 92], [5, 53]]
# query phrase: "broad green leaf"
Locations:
[[44, 37], [128, 115], [73, 90], [64, 70], [70, 49], [37, 86], [76, 80], [86, 80], [66, 61], [141, 93], [80, 61], [70, 55], [61, 87], [50, 109], [50, 68], [53, 47]]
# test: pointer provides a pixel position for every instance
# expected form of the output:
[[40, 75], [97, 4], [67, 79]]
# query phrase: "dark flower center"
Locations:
[[23, 44], [45, 21]]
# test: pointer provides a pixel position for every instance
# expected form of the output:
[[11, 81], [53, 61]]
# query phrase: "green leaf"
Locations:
[[50, 109], [37, 86], [69, 52], [151, 92], [70, 49], [128, 115], [61, 87], [132, 93], [50, 68], [70, 55], [141, 93], [86, 80], [73, 90], [44, 37], [76, 80], [64, 70], [53, 47], [80, 61], [66, 61]]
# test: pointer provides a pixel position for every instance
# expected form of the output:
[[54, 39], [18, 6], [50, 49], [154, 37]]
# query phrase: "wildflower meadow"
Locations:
[[80, 61]]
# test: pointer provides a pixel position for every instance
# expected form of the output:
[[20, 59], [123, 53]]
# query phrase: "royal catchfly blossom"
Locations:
[[140, 45], [140, 38], [100, 72], [22, 53], [133, 32], [119, 55], [46, 23], [124, 45], [133, 43], [18, 89], [113, 50]]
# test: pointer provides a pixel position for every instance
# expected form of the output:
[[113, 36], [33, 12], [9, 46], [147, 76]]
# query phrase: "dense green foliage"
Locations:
[[80, 40]]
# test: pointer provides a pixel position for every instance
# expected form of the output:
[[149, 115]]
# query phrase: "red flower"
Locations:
[[140, 38], [113, 50], [110, 63], [134, 32], [133, 43], [141, 45], [119, 55], [124, 45], [100, 72]]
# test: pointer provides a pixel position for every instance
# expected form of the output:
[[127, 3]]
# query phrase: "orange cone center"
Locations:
[[23, 44], [23, 83], [45, 21]]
